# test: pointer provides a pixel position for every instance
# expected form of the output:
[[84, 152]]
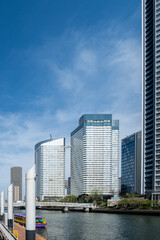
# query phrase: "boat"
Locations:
[[21, 219]]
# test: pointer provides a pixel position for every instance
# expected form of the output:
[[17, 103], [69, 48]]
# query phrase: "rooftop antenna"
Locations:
[[51, 136]]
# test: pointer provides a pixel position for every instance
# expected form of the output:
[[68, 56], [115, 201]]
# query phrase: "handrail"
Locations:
[[6, 233]]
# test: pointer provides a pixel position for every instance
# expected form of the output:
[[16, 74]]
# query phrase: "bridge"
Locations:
[[64, 205], [57, 204]]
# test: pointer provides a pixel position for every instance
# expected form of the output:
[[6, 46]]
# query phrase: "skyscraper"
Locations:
[[50, 168], [151, 95], [16, 179], [131, 164], [95, 155]]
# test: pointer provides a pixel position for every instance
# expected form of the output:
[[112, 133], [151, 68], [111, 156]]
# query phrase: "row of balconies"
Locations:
[[157, 4], [148, 57], [157, 18], [149, 78], [149, 117], [149, 5], [158, 99], [148, 16]]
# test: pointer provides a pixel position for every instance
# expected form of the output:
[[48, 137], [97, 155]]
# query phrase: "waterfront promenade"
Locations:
[[21, 232]]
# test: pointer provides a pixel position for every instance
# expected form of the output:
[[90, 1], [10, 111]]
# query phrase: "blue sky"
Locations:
[[59, 60]]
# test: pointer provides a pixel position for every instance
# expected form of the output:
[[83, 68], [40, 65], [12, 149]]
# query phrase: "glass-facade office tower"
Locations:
[[131, 164], [95, 155], [151, 95], [50, 168], [16, 179]]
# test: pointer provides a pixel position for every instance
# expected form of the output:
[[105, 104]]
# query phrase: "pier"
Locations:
[[5, 234], [21, 232]]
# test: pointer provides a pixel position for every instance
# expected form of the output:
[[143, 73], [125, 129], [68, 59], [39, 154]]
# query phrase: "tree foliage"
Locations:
[[95, 197], [70, 198], [135, 203]]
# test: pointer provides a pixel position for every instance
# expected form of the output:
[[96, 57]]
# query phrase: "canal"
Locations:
[[99, 226]]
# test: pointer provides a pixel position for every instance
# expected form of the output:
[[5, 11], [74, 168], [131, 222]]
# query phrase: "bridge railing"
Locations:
[[7, 235], [62, 204], [57, 204]]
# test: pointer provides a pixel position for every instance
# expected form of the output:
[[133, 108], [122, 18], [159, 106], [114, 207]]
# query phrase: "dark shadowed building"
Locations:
[[16, 179], [131, 164]]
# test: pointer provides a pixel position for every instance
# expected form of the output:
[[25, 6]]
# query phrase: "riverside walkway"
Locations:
[[21, 232], [5, 234]]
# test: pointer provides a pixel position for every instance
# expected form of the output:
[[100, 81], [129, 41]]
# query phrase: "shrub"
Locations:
[[135, 203]]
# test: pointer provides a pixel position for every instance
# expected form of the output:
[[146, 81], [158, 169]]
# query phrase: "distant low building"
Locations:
[[66, 186], [131, 164], [119, 183], [69, 186]]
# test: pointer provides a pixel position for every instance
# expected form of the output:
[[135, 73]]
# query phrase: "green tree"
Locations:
[[70, 198], [95, 197], [134, 203]]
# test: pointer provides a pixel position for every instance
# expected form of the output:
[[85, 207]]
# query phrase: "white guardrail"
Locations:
[[57, 204], [6, 233], [61, 204]]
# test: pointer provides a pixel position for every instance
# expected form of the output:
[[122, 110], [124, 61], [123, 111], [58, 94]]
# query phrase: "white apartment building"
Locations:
[[50, 168], [95, 155]]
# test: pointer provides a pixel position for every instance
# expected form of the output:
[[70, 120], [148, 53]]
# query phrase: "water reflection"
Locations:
[[99, 226]]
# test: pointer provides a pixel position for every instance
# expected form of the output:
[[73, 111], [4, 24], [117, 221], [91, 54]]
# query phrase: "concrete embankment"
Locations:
[[127, 211], [61, 209]]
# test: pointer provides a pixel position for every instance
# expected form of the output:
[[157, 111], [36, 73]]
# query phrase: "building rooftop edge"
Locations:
[[45, 141], [132, 134]]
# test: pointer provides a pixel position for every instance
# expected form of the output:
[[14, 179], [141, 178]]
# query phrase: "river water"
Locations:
[[99, 226]]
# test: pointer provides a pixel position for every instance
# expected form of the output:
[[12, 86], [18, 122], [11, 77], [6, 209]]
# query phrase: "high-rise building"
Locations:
[[50, 168], [131, 164], [95, 155], [16, 179], [151, 95]]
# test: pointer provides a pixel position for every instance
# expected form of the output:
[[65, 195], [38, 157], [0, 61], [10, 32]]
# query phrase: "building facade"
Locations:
[[131, 164], [16, 179], [151, 95], [95, 155], [50, 169], [16, 193]]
